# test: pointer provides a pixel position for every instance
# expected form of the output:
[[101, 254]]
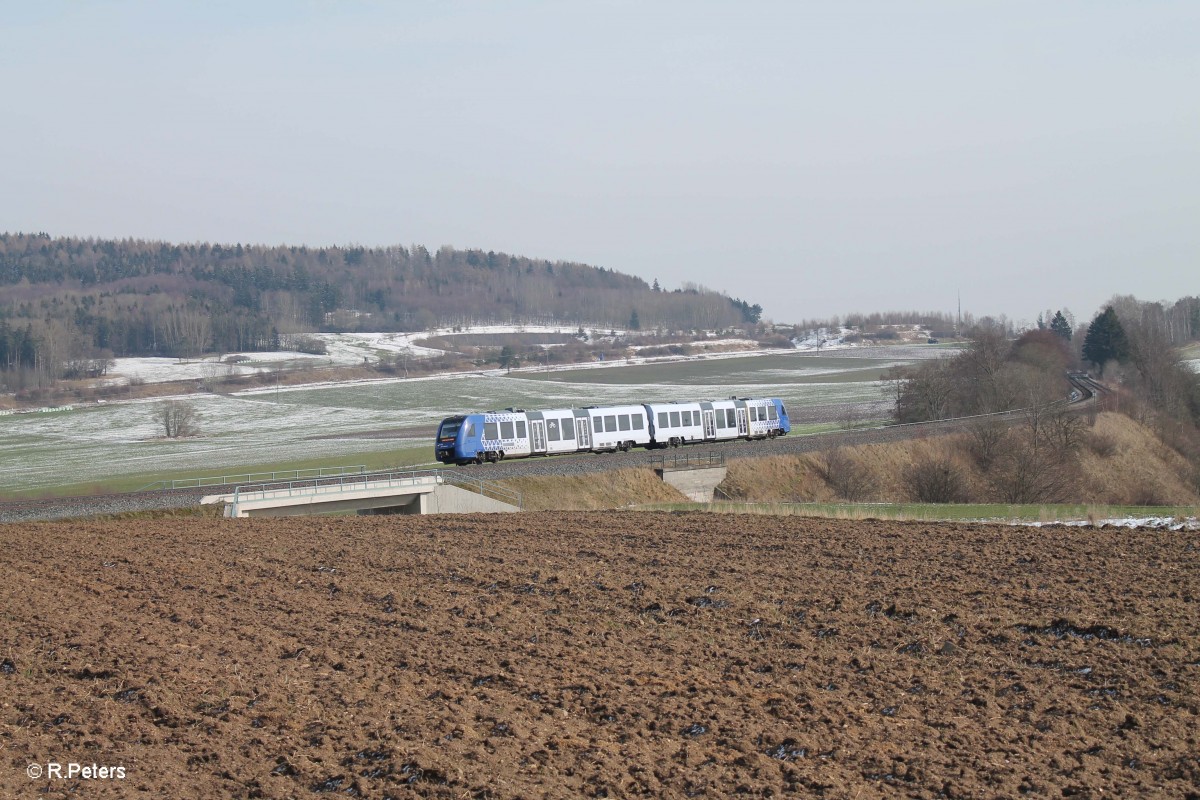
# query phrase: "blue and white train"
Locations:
[[516, 433]]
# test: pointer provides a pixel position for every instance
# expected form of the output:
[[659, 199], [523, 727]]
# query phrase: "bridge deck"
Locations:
[[397, 493]]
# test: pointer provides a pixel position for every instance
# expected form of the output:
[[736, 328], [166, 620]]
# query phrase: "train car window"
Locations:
[[506, 430], [771, 413], [610, 422], [720, 418], [598, 424], [469, 430], [491, 430], [693, 418], [521, 432], [662, 419], [730, 418], [674, 419], [685, 418], [552, 434], [754, 413], [638, 422], [623, 422], [568, 427]]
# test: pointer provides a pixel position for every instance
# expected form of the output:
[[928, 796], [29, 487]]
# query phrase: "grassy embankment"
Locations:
[[1123, 464], [937, 512]]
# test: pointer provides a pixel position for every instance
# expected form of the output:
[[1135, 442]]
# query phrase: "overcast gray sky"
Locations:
[[817, 158]]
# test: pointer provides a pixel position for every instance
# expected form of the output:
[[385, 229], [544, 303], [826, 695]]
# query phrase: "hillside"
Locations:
[[69, 304], [1120, 462]]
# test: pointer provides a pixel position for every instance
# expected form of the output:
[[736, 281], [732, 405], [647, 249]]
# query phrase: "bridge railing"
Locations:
[[675, 461], [338, 483], [315, 473]]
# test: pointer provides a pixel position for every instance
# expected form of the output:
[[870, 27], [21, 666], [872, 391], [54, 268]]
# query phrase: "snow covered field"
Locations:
[[351, 349], [161, 370], [332, 422], [344, 349]]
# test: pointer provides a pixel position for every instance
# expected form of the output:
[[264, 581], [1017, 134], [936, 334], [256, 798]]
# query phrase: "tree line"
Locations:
[[1133, 345], [82, 301]]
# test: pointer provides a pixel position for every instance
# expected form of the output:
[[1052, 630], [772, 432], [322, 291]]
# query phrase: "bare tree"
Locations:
[[177, 418], [847, 477], [987, 439], [937, 480], [1032, 472]]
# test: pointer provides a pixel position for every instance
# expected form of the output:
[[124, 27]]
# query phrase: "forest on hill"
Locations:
[[68, 305]]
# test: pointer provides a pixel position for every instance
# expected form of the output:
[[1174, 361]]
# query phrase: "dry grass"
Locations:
[[1140, 470], [775, 479], [800, 479], [593, 491], [188, 512], [1133, 468]]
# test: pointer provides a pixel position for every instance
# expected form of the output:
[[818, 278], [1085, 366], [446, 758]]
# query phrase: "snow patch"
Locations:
[[1153, 523], [824, 339]]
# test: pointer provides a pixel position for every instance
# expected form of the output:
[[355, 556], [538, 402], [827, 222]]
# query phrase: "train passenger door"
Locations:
[[537, 435], [583, 430], [710, 425], [743, 426]]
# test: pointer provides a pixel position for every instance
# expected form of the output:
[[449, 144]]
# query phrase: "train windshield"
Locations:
[[449, 430]]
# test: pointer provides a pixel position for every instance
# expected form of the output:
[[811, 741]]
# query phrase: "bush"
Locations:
[[844, 475], [1029, 472], [301, 343], [988, 437], [177, 418], [937, 480], [1102, 444]]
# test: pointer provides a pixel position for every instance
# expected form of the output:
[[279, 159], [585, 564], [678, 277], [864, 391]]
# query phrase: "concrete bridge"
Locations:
[[695, 476], [421, 492]]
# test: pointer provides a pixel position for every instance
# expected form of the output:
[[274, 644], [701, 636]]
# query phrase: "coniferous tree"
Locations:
[[1105, 340], [1060, 326]]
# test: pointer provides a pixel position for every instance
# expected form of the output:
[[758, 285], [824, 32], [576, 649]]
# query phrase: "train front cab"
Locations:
[[459, 439], [446, 441], [785, 424]]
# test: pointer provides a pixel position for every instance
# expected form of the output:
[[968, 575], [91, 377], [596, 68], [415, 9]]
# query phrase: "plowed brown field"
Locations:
[[598, 654]]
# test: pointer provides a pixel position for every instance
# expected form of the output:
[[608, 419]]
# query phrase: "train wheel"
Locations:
[[500, 456], [478, 459]]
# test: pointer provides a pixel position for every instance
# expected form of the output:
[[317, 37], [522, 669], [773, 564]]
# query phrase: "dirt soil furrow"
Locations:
[[598, 655]]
